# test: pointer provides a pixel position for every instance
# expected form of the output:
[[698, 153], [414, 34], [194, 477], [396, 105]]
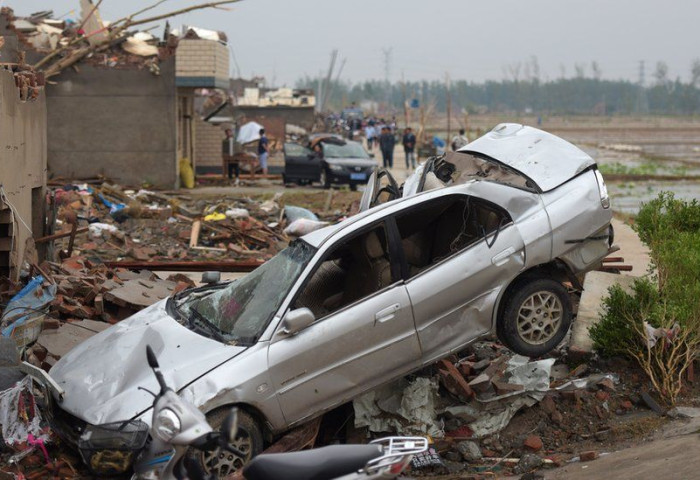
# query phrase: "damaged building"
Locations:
[[22, 166], [281, 111], [126, 110]]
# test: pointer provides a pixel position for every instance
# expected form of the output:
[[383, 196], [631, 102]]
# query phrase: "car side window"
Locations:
[[295, 150], [352, 270], [440, 228]]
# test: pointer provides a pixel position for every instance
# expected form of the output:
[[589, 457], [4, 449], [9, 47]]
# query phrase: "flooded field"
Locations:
[[636, 175]]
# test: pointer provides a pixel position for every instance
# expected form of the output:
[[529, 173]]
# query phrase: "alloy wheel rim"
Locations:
[[223, 463], [539, 317]]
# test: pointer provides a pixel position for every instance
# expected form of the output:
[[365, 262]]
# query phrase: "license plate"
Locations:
[[358, 176]]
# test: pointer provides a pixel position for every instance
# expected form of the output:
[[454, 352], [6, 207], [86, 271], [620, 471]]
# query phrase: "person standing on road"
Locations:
[[230, 162], [458, 141], [409, 147], [370, 134], [263, 151], [386, 145]]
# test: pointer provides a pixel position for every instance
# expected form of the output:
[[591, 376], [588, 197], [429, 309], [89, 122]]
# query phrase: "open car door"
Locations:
[[381, 188], [300, 165]]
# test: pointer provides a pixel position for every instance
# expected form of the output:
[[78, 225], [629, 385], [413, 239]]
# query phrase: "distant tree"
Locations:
[[580, 69], [513, 71], [695, 72], [661, 74], [595, 70]]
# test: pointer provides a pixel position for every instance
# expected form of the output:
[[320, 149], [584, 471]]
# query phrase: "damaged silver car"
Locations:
[[486, 240]]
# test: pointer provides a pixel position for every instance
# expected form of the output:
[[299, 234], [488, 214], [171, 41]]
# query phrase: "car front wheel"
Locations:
[[536, 317], [249, 440]]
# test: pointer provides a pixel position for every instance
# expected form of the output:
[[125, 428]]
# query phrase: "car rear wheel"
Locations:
[[536, 317], [249, 440]]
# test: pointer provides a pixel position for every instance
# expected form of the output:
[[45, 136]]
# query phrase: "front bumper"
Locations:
[[105, 449], [349, 175]]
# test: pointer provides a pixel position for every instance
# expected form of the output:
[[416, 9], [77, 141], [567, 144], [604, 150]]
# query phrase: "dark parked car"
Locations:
[[328, 159]]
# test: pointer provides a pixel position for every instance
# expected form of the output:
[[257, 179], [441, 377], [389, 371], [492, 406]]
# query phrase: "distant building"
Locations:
[[278, 110]]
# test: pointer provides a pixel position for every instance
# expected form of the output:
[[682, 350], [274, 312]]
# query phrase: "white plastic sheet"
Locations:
[[404, 407], [249, 132], [14, 428]]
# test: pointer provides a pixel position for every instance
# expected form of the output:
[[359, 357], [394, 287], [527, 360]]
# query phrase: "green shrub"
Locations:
[[623, 315], [671, 229]]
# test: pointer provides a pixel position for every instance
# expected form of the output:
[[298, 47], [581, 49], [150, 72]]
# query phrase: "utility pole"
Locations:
[[387, 74], [449, 107], [327, 82], [642, 106], [405, 101]]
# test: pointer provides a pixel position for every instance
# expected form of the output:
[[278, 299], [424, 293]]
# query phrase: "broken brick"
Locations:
[[453, 380], [481, 383], [548, 404], [503, 388], [626, 404], [99, 305], [606, 384], [602, 396], [588, 456], [533, 443]]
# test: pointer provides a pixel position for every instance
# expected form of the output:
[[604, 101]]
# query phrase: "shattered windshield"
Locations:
[[348, 150], [240, 312]]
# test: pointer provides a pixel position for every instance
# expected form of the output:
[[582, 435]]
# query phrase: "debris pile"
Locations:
[[65, 42], [150, 227], [492, 411]]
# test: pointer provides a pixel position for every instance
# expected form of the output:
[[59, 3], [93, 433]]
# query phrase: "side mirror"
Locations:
[[211, 277], [297, 320], [229, 429]]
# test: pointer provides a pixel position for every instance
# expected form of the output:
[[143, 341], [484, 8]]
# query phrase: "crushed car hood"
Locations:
[[101, 376], [544, 158]]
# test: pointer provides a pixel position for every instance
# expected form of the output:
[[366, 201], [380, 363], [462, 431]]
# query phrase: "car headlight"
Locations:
[[335, 168], [602, 189], [167, 424]]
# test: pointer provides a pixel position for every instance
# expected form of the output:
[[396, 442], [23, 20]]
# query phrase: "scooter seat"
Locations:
[[319, 464]]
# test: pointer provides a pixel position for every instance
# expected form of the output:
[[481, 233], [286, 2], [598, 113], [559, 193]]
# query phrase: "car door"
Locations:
[[354, 345], [299, 164], [460, 252]]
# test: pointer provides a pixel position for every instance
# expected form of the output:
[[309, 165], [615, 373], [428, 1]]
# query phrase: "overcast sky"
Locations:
[[473, 40]]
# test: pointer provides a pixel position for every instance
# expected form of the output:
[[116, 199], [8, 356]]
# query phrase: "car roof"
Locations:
[[546, 159], [485, 190]]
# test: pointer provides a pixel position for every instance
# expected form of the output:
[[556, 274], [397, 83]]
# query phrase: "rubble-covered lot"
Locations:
[[487, 411]]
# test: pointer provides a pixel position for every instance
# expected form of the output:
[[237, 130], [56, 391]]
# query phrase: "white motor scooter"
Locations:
[[178, 426]]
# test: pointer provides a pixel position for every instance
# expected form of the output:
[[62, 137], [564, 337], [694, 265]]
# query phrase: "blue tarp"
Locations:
[[31, 301]]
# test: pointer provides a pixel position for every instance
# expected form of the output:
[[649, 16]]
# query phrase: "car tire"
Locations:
[[324, 179], [353, 187], [536, 317], [249, 439]]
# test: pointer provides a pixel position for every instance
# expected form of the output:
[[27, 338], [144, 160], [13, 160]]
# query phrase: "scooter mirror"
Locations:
[[151, 356], [229, 429]]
